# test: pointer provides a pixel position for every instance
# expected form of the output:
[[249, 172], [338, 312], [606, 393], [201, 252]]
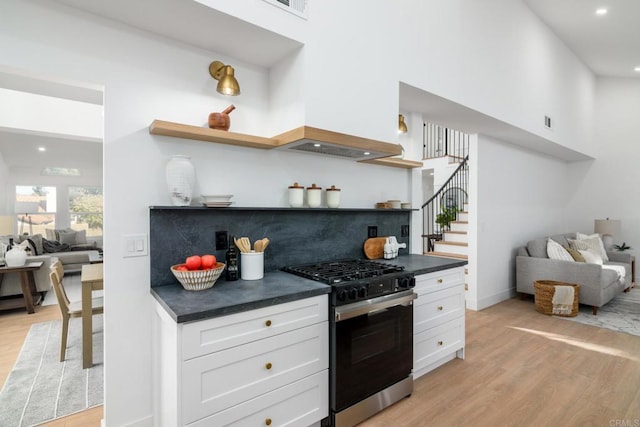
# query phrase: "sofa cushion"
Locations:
[[591, 257], [575, 254], [557, 252], [537, 248], [35, 243], [595, 244]]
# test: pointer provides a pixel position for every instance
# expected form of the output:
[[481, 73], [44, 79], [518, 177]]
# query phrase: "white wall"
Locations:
[[518, 195], [5, 207], [608, 186]]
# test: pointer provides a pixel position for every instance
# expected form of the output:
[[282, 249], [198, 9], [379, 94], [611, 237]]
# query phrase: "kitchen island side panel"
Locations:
[[296, 236]]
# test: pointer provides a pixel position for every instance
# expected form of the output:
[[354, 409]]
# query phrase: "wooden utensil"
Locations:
[[257, 246], [265, 243], [374, 247]]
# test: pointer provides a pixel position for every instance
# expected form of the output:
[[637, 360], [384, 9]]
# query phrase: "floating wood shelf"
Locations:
[[178, 130]]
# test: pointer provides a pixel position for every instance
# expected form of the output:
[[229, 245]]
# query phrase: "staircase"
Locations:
[[454, 243]]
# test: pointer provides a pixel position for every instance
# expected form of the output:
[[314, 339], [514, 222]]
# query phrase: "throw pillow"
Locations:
[[27, 247], [81, 237], [36, 243], [557, 252], [50, 234], [591, 257], [68, 238], [575, 254], [594, 241]]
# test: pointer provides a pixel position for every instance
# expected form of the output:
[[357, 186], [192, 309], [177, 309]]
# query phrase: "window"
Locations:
[[35, 208], [85, 209]]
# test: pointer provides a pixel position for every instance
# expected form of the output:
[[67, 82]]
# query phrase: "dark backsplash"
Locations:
[[296, 235]]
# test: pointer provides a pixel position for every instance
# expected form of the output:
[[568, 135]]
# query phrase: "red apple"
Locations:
[[193, 262], [182, 267], [208, 261]]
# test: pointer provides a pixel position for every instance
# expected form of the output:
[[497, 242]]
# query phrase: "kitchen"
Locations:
[[148, 75]]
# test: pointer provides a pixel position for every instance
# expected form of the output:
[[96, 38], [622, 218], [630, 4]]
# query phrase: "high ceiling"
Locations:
[[609, 45]]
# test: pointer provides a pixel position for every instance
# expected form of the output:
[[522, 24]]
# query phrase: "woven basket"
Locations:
[[198, 280], [544, 290]]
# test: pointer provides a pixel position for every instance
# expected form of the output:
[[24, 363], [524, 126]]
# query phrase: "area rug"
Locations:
[[40, 388], [621, 314]]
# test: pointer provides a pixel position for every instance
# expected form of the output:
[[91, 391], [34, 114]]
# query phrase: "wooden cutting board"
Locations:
[[374, 247]]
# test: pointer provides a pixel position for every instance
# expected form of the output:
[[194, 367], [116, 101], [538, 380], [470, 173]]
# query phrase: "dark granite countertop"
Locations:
[[226, 298], [423, 264], [276, 287]]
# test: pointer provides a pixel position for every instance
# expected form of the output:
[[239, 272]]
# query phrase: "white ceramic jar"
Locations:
[[16, 257], [333, 197], [296, 195], [314, 196]]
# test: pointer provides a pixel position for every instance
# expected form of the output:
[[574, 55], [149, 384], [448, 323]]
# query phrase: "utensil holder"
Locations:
[[251, 265]]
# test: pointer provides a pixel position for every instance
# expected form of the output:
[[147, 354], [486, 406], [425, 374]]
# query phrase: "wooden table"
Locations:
[[27, 283], [92, 279]]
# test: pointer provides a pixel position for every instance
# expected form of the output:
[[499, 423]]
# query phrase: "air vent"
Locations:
[[297, 7]]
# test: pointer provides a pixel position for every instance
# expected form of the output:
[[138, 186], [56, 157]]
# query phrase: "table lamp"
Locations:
[[607, 228]]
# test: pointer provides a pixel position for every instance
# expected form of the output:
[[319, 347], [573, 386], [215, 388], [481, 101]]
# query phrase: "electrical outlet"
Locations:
[[222, 242], [404, 231], [372, 231]]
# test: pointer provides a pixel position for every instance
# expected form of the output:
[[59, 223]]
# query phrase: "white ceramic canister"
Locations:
[[296, 195], [181, 178], [314, 196], [333, 197]]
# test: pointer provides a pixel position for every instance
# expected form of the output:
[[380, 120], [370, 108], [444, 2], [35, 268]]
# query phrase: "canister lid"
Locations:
[[314, 187], [296, 185], [333, 188]]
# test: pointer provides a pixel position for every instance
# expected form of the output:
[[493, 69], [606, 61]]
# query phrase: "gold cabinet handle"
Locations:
[[439, 308], [268, 365], [440, 343], [267, 323], [440, 280], [267, 421]]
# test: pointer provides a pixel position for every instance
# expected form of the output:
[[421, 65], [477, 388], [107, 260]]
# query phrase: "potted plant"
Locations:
[[621, 248], [445, 217]]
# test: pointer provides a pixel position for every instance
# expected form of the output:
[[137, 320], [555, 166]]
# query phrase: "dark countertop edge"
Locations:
[[282, 208], [434, 263]]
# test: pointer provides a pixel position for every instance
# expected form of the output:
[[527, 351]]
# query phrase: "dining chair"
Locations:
[[69, 309]]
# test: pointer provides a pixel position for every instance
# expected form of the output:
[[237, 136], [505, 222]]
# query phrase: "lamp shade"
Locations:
[[607, 226]]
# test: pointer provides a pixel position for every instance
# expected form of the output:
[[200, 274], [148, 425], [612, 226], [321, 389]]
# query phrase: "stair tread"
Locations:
[[446, 242], [459, 222], [446, 255], [455, 232]]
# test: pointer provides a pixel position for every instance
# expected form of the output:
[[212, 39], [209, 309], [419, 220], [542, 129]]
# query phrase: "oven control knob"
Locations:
[[362, 292], [404, 282], [353, 293], [342, 295]]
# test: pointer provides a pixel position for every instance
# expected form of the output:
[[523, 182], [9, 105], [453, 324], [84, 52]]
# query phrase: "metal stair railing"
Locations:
[[439, 141], [444, 205]]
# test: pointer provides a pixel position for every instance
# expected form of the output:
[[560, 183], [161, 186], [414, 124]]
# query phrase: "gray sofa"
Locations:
[[598, 285]]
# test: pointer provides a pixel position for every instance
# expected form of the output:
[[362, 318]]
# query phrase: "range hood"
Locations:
[[324, 142]]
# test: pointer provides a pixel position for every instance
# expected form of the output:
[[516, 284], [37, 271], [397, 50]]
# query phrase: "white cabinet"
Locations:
[[438, 319], [262, 367]]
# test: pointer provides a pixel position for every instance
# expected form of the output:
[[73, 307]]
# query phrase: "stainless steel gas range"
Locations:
[[371, 335]]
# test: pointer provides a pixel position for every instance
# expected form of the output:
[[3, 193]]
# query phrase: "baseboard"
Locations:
[[494, 299]]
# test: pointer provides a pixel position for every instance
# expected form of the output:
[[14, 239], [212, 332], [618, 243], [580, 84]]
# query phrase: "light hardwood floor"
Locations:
[[522, 368]]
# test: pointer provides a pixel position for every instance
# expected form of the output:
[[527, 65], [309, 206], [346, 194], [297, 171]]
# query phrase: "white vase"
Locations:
[[181, 178], [16, 257]]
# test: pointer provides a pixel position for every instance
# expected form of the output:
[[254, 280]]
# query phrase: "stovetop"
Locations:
[[346, 270]]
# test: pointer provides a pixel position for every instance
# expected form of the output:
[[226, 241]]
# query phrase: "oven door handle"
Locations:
[[376, 304]]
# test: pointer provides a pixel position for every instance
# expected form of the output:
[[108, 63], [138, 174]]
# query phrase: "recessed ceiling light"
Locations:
[[317, 145], [366, 153], [601, 11], [42, 149]]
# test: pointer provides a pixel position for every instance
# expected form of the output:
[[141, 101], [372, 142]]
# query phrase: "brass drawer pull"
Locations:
[[267, 421], [439, 308], [440, 343], [440, 280], [268, 323], [268, 365]]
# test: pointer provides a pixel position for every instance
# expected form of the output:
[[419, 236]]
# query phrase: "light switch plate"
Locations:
[[135, 245]]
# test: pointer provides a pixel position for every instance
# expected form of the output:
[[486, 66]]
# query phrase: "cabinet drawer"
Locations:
[[438, 280], [217, 381], [435, 343], [224, 332], [438, 307], [299, 404]]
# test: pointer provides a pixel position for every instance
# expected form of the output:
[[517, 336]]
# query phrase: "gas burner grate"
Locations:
[[332, 272]]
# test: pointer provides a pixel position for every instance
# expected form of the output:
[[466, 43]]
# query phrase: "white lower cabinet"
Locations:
[[261, 367], [438, 319]]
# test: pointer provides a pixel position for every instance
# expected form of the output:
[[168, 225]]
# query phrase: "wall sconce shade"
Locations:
[[227, 83], [402, 126]]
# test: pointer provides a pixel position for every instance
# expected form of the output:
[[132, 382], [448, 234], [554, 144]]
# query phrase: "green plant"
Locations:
[[447, 215], [622, 247]]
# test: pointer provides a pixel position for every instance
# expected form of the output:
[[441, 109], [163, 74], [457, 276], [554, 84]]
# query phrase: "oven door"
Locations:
[[373, 347]]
